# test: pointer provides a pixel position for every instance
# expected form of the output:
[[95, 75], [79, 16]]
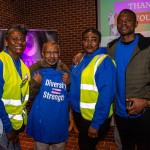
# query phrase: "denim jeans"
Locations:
[[44, 146], [4, 144]]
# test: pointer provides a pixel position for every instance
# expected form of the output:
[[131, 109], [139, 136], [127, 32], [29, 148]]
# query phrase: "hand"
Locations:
[[38, 77], [13, 137], [137, 107], [66, 78], [92, 132], [77, 58]]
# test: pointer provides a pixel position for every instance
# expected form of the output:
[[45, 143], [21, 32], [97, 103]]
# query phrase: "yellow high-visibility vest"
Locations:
[[89, 92], [15, 90]]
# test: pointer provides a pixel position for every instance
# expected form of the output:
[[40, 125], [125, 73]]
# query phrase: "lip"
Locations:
[[89, 48], [18, 47]]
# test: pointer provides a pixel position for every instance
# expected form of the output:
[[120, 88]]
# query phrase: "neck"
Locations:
[[14, 56], [128, 38]]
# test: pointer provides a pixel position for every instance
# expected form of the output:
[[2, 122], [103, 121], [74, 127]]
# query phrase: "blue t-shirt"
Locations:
[[122, 58], [49, 116]]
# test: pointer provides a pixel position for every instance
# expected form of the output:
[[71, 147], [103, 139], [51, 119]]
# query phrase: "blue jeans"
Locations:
[[7, 146], [52, 146]]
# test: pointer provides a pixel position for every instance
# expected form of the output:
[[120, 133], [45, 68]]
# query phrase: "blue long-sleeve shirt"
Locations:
[[3, 114], [105, 78]]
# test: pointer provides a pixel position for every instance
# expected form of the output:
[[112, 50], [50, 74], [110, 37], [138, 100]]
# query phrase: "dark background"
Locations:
[[68, 17]]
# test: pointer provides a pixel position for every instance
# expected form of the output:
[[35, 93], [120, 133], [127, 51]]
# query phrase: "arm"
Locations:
[[106, 82], [65, 76], [3, 114], [35, 84], [77, 57], [139, 104]]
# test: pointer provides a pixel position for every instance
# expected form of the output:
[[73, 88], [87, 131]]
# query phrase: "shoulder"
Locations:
[[108, 62], [64, 67], [110, 44], [34, 67], [143, 42]]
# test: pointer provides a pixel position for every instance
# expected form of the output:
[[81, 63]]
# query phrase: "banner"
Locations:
[[108, 11], [35, 40]]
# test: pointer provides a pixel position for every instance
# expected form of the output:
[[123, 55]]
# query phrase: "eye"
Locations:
[[85, 39], [49, 52], [128, 21], [119, 21], [94, 39], [55, 52], [15, 39], [23, 39]]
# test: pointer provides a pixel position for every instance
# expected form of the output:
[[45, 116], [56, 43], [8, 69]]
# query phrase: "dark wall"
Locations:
[[68, 17], [11, 12]]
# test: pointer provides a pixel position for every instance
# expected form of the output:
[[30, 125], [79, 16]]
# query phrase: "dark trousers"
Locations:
[[84, 141], [134, 131]]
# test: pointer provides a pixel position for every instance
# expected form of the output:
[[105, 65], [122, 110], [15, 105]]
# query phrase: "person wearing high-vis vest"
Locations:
[[93, 88], [14, 88]]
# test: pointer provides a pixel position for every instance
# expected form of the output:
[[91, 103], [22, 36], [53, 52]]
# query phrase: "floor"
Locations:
[[72, 143]]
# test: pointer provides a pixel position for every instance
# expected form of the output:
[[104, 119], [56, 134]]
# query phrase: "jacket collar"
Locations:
[[143, 42]]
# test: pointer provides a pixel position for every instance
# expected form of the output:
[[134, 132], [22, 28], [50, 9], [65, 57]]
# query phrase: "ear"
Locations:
[[6, 43], [42, 53], [136, 24]]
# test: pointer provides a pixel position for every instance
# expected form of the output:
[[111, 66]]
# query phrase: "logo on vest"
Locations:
[[24, 80]]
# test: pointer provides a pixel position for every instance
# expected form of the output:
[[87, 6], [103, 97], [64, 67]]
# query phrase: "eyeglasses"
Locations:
[[51, 53]]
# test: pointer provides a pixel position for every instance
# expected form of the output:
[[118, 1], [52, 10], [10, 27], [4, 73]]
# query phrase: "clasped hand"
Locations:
[[137, 107], [92, 132], [13, 137]]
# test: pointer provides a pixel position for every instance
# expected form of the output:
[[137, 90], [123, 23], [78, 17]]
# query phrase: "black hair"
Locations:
[[129, 11], [94, 30], [17, 27]]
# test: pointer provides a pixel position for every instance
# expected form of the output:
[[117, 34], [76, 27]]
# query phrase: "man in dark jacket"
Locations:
[[132, 55]]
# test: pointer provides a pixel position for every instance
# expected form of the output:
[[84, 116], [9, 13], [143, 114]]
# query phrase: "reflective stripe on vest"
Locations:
[[15, 90], [89, 91]]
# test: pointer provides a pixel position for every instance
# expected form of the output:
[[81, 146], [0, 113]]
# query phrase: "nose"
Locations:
[[51, 55], [89, 42], [124, 22]]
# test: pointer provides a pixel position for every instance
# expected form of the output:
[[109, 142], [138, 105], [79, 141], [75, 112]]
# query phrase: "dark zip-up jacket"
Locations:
[[138, 69]]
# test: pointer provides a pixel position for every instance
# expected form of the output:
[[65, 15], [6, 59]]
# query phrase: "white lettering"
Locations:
[[55, 84], [143, 18], [139, 5], [48, 95]]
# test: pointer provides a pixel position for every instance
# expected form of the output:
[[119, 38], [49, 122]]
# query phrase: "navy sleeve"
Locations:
[[3, 115], [105, 78]]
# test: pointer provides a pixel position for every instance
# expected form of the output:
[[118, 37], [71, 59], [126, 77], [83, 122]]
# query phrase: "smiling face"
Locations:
[[90, 42], [15, 43], [51, 53], [126, 23]]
